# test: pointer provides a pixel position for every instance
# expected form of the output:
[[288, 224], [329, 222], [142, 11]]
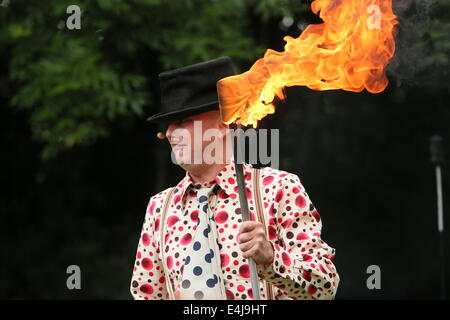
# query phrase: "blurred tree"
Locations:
[[74, 82]]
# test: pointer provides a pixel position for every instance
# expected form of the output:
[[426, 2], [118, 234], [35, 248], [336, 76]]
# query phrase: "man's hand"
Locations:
[[253, 242]]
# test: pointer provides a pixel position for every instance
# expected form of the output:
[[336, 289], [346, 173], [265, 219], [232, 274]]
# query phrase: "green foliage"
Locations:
[[75, 83]]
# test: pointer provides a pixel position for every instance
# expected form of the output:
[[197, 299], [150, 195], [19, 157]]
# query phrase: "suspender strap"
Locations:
[[163, 242], [262, 218]]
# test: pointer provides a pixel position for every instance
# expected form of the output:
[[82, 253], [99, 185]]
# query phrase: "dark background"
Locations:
[[79, 162]]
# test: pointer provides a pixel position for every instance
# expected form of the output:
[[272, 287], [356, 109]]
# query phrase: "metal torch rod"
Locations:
[[244, 206], [437, 159], [440, 209]]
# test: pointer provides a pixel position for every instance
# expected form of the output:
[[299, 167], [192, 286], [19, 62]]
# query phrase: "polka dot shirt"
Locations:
[[302, 267]]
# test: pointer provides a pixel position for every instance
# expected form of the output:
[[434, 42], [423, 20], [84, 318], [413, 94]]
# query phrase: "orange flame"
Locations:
[[349, 51]]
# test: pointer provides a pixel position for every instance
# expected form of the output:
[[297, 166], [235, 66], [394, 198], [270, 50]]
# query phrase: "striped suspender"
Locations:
[[260, 217], [163, 242]]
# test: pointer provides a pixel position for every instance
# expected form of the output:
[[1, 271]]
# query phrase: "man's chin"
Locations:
[[188, 164], [184, 162]]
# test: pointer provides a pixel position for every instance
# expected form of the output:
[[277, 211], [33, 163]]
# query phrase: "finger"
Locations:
[[248, 226], [256, 234], [245, 237], [246, 246], [254, 252]]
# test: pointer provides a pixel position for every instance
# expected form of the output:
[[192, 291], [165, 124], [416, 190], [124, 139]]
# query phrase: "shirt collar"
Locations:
[[226, 179]]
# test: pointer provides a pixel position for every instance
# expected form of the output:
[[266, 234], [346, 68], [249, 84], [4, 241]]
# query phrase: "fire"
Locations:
[[348, 51]]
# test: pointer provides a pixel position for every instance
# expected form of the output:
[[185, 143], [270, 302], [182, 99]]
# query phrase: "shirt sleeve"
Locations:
[[302, 266], [148, 281]]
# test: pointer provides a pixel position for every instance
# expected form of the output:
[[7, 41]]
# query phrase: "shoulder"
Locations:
[[282, 186], [270, 176], [285, 187], [156, 202]]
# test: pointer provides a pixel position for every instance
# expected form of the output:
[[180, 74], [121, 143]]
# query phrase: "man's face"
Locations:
[[186, 136]]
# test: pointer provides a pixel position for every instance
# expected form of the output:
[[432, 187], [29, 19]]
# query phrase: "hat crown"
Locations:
[[192, 89]]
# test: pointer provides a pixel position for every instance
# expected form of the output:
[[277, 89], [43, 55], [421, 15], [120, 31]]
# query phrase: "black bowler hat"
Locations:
[[192, 89]]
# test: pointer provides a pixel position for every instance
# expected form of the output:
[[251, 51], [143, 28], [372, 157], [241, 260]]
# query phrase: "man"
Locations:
[[194, 244]]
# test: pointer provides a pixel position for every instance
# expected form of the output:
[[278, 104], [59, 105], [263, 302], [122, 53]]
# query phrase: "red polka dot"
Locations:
[[300, 201], [224, 260], [231, 181], [249, 193], [302, 236], [194, 215], [151, 207], [186, 239], [146, 288], [169, 262], [286, 259], [316, 215], [267, 180], [172, 220], [244, 271], [306, 275], [306, 257], [272, 210], [157, 225], [223, 194], [240, 288], [272, 233], [145, 239], [230, 295], [147, 264], [312, 289], [279, 196], [221, 217], [286, 224]]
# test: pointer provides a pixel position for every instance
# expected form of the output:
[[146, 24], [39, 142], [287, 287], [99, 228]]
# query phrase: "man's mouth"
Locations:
[[179, 145]]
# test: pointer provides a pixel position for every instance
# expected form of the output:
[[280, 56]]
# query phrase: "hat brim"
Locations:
[[184, 113]]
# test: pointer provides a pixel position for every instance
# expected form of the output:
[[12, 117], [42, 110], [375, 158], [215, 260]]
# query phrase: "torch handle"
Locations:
[[245, 213]]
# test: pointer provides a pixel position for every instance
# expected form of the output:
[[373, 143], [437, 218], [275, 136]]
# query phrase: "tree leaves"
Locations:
[[75, 82]]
